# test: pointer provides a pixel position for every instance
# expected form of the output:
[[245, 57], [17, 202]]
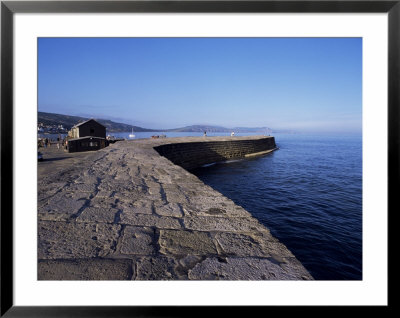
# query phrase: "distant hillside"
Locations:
[[207, 128], [50, 119], [199, 128], [67, 121]]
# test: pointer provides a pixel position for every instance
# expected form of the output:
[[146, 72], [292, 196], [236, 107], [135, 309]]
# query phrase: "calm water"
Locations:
[[309, 194]]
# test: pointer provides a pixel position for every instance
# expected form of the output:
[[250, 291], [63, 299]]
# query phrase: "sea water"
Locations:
[[309, 194]]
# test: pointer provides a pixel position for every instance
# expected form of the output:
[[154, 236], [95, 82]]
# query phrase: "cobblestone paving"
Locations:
[[126, 213]]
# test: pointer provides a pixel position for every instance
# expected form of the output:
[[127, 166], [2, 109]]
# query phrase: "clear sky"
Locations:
[[300, 84]]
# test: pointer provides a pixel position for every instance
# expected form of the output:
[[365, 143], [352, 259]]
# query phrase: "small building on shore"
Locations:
[[86, 136], [88, 128]]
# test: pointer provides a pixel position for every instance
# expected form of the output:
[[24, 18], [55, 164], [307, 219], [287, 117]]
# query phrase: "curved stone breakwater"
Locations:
[[128, 213], [200, 151]]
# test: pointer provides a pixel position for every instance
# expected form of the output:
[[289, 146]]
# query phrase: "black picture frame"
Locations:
[[8, 8]]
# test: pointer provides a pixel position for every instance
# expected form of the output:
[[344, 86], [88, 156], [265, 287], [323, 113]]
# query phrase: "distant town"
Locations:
[[51, 129]]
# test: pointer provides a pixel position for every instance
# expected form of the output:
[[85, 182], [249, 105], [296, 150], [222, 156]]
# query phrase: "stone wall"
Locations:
[[191, 155]]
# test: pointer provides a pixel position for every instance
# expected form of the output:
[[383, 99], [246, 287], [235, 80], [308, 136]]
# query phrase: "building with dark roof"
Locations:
[[88, 128], [86, 136]]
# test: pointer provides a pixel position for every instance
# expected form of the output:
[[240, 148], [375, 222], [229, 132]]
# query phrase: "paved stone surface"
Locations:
[[138, 241], [186, 242], [218, 268], [85, 269], [127, 213], [70, 240]]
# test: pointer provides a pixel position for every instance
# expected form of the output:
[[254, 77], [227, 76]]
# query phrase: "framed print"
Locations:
[[196, 154]]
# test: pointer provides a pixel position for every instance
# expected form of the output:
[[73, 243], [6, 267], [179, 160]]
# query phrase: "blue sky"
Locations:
[[300, 84]]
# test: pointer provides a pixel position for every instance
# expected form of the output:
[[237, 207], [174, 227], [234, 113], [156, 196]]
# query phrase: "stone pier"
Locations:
[[128, 213]]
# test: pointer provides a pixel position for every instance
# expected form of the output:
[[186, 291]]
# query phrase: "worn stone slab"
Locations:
[[63, 206], [186, 242], [216, 210], [189, 261], [246, 269], [98, 214], [174, 194], [135, 207], [76, 240], [223, 224], [104, 202], [243, 245], [131, 195], [161, 222], [156, 268], [82, 187], [47, 190], [85, 269], [294, 268], [153, 186], [169, 209], [123, 175], [88, 179], [104, 194], [182, 177], [111, 184], [138, 241]]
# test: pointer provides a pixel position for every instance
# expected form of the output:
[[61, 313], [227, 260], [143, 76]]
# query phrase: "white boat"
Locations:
[[131, 135]]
